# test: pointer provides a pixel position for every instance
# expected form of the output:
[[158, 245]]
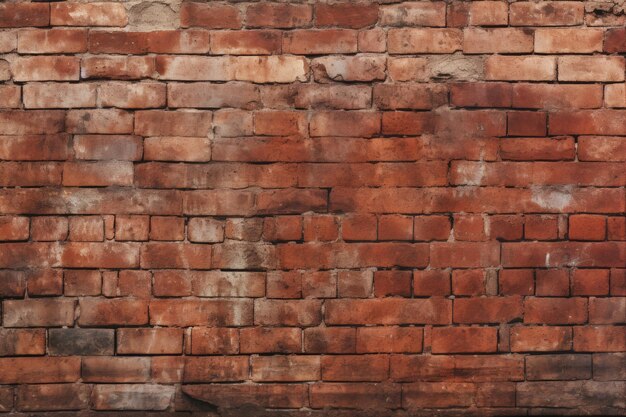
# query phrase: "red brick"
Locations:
[[463, 255], [88, 14], [607, 310], [131, 397], [431, 41], [364, 124], [46, 68], [355, 368], [395, 227], [278, 15], [39, 370], [330, 340], [599, 338], [500, 40], [214, 340], [52, 397], [524, 68], [270, 340], [590, 282], [464, 339], [213, 16], [82, 282], [357, 68], [469, 282], [488, 309], [157, 122], [316, 42], [101, 312], [389, 340], [282, 228], [556, 96], [228, 283], [115, 369], [481, 95], [540, 227], [357, 284], [14, 228], [558, 367], [48, 95], [359, 227], [351, 395], [388, 311], [189, 41], [167, 228], [86, 229], [516, 282], [287, 284], [133, 284], [131, 228], [506, 227], [431, 228], [540, 338], [469, 227], [591, 68], [527, 123], [618, 282], [302, 313], [392, 283], [45, 282], [24, 14], [117, 67], [587, 227], [586, 122], [414, 14], [201, 312], [562, 41], [38, 312], [488, 13], [406, 123], [320, 228], [598, 148], [616, 228], [346, 15], [320, 284], [555, 310], [41, 41], [22, 342], [431, 282], [554, 13], [10, 96], [615, 40], [129, 96], [285, 368], [260, 395], [149, 341]]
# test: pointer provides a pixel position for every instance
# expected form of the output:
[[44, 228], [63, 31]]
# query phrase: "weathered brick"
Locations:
[[51, 397], [278, 15], [132, 397], [88, 14], [68, 342], [39, 370], [46, 68], [24, 14], [464, 339], [22, 342], [433, 41], [42, 41], [214, 16]]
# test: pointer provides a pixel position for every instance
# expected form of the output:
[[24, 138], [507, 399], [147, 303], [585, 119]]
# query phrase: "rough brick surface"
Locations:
[[312, 207]]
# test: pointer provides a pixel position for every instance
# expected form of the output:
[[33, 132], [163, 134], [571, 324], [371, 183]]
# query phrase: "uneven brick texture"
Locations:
[[311, 208]]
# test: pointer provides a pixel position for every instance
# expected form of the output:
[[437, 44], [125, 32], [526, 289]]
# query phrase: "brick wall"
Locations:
[[244, 208]]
